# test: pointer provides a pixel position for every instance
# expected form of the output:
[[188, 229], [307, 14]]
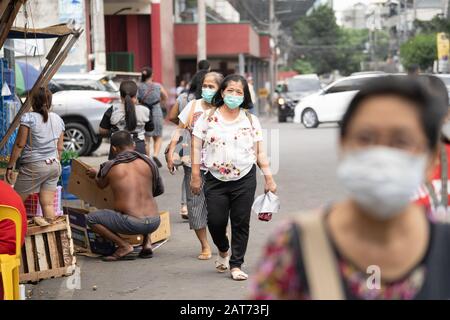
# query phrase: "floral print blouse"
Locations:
[[279, 277], [228, 146]]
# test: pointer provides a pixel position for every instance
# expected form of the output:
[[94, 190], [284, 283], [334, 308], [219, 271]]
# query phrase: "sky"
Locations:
[[343, 4]]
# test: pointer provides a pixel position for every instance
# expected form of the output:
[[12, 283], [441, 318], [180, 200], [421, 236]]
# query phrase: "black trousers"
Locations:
[[230, 200]]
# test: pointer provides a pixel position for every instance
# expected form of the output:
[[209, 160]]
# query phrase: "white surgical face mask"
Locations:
[[446, 130], [382, 180]]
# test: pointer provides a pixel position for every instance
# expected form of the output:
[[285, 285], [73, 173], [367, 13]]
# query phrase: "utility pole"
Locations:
[[98, 34], [415, 9], [201, 33], [405, 24], [273, 50]]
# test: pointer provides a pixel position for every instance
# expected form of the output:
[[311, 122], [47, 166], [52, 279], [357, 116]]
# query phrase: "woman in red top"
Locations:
[[434, 194], [8, 197]]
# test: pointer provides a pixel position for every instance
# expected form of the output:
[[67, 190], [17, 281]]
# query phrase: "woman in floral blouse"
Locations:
[[232, 146], [377, 244]]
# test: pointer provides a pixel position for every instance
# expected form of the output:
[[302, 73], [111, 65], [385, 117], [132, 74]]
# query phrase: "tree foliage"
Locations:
[[317, 35], [328, 47], [419, 50], [303, 67]]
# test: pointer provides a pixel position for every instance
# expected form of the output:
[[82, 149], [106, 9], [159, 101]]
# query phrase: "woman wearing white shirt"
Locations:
[[230, 141], [196, 204]]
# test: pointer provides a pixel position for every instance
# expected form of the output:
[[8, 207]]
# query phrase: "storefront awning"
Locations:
[[43, 33]]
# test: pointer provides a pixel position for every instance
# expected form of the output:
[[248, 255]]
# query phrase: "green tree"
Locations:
[[303, 67], [420, 50], [351, 49], [317, 36]]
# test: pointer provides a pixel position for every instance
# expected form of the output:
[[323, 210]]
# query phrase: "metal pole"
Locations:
[[415, 9], [98, 34], [201, 33], [273, 52]]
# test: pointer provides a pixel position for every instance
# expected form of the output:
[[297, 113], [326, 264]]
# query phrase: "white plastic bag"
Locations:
[[265, 205]]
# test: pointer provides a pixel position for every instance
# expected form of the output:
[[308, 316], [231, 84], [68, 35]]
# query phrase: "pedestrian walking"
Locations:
[[128, 115], [39, 144], [153, 95], [194, 92], [230, 141], [196, 204], [377, 244], [181, 87], [434, 193]]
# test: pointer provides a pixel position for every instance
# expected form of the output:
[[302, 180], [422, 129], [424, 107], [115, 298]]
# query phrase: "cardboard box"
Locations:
[[86, 239], [86, 188]]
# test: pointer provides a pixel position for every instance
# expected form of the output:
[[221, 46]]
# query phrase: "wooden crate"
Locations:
[[48, 252]]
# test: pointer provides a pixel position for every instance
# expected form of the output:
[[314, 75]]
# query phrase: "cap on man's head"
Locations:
[[122, 139]]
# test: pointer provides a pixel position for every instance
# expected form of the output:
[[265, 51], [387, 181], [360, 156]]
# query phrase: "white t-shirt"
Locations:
[[142, 117], [229, 152], [184, 118], [198, 112]]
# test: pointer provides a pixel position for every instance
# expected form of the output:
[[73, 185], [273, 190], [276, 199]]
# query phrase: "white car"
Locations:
[[330, 104], [81, 100]]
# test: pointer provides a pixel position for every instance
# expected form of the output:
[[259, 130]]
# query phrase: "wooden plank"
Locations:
[[51, 228], [53, 248], [163, 232], [65, 246], [41, 255], [29, 254], [46, 74], [47, 274], [8, 17]]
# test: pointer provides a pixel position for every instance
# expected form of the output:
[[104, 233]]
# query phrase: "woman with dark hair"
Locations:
[[434, 194], [152, 95], [230, 141], [128, 115], [194, 92], [39, 144], [196, 204], [376, 244]]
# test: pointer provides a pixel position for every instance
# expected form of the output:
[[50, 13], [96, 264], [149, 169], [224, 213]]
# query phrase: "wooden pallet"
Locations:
[[48, 252]]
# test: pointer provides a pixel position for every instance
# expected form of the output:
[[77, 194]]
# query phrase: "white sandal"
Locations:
[[239, 275], [222, 264]]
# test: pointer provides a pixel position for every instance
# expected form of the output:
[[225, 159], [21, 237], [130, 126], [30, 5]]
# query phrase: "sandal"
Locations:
[[205, 255], [146, 254], [115, 257], [184, 212], [239, 275], [222, 264]]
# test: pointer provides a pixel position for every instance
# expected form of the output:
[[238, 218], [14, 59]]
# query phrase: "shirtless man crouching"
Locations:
[[130, 177]]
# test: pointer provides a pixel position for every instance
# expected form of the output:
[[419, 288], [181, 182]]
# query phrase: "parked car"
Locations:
[[330, 104], [293, 91], [81, 100]]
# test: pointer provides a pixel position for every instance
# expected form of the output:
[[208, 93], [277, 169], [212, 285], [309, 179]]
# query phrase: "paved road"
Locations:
[[306, 179]]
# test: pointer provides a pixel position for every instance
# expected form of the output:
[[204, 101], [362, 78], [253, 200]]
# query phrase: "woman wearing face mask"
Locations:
[[196, 204], [230, 140], [376, 244], [194, 92], [434, 194]]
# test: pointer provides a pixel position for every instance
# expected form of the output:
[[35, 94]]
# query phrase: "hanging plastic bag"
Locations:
[[265, 205]]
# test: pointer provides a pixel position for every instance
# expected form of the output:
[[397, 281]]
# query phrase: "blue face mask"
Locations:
[[233, 102], [208, 94]]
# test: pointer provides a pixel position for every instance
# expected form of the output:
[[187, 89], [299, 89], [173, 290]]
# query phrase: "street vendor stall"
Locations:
[[48, 251]]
